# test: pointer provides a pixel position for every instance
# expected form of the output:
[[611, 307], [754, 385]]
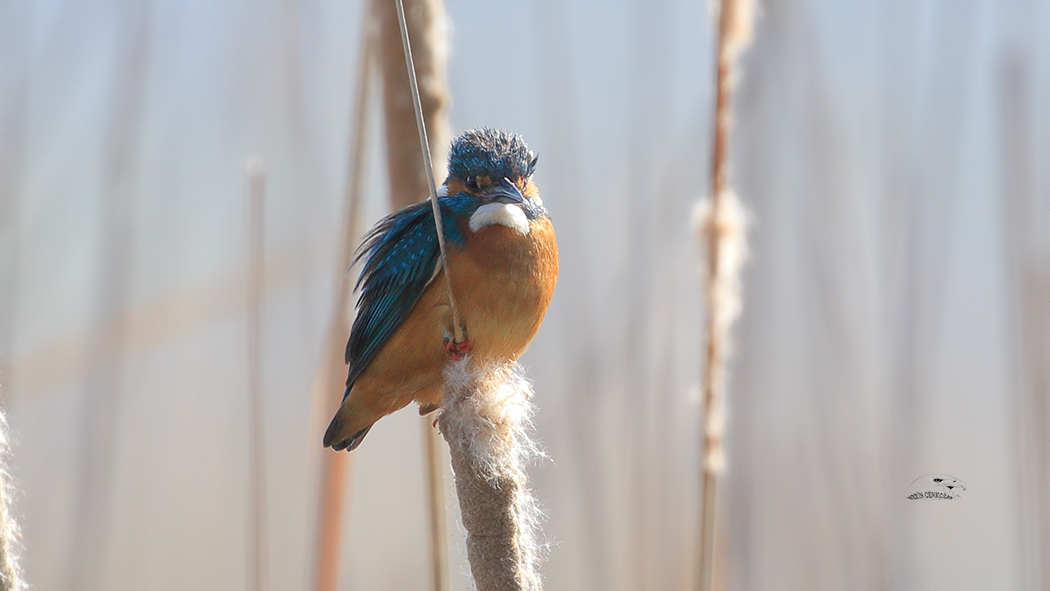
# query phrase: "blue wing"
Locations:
[[400, 254]]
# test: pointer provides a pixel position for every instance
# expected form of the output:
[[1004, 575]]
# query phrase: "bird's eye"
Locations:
[[472, 183], [938, 479]]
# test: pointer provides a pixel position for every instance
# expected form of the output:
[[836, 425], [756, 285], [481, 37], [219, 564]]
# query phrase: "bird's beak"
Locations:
[[504, 192]]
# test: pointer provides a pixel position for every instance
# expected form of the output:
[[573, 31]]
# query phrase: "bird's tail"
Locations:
[[348, 428]]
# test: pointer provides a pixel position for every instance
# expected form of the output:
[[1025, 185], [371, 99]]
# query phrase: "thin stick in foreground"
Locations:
[[457, 327]]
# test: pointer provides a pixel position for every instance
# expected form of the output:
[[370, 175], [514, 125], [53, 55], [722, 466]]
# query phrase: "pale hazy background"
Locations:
[[893, 154]]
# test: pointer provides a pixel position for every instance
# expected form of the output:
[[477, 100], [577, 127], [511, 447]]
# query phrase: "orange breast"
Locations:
[[503, 282]]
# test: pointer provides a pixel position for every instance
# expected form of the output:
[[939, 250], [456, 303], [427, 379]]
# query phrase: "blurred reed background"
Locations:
[[897, 307]]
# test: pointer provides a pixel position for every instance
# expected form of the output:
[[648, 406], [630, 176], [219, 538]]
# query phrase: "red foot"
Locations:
[[457, 351]]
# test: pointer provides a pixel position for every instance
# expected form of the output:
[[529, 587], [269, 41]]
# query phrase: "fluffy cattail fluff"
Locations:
[[487, 420], [10, 573], [726, 231], [739, 28]]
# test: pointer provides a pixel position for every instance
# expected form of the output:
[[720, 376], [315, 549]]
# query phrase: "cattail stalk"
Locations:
[[721, 225], [486, 420]]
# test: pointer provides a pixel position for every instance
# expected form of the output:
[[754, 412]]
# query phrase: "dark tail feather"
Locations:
[[344, 420], [349, 444]]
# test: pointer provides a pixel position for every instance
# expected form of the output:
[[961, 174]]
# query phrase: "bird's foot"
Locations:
[[456, 350]]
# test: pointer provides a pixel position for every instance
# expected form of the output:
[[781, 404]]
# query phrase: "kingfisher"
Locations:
[[502, 260]]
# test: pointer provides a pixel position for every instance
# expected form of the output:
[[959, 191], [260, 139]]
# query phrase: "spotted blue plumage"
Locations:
[[400, 255]]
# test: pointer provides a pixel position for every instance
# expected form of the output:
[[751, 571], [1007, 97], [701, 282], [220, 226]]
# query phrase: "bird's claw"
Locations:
[[456, 350]]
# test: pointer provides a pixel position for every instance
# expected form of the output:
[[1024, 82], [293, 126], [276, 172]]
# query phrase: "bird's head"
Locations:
[[950, 483], [492, 169]]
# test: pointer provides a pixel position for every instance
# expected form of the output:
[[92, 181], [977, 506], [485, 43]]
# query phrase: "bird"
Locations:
[[502, 258]]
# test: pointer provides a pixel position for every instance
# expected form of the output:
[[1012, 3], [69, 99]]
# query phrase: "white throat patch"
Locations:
[[504, 214]]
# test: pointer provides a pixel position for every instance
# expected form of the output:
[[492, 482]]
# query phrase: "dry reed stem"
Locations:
[[435, 468], [1030, 262], [728, 226], [428, 31], [486, 420], [721, 227], [257, 500], [725, 227], [336, 467], [458, 330]]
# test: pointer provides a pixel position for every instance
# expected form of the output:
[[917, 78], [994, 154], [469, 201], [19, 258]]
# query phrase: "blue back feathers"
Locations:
[[400, 254]]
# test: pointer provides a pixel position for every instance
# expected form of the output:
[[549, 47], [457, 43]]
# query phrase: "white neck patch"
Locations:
[[504, 214]]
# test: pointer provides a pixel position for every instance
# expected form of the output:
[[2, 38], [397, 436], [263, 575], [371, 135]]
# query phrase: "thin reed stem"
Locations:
[[427, 88], [457, 328], [336, 467], [435, 465], [1030, 268], [256, 240]]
